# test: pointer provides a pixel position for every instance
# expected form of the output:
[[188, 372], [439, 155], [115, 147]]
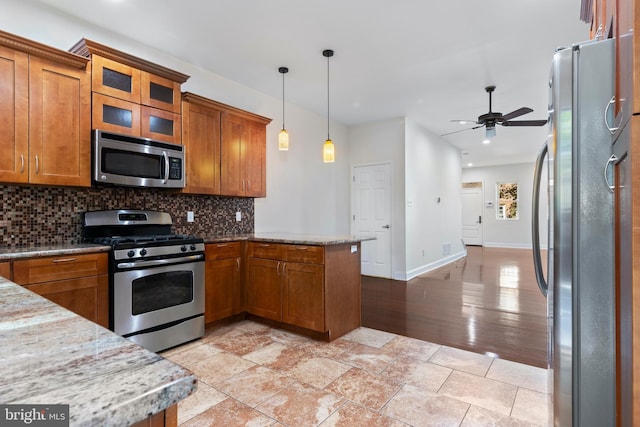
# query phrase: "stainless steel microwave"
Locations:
[[136, 162]]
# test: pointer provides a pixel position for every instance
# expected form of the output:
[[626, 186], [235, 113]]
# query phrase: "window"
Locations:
[[507, 200]]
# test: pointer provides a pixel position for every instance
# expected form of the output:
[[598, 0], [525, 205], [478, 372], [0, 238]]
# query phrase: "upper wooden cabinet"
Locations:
[[45, 111], [133, 96], [201, 140], [225, 148], [243, 156]]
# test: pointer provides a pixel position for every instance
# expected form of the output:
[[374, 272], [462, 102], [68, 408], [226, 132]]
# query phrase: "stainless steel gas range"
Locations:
[[156, 288]]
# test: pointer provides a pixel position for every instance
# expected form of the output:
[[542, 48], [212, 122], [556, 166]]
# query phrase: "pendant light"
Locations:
[[328, 149], [283, 136]]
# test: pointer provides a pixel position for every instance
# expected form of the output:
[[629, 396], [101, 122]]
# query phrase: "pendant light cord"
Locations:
[[283, 100], [328, 96]]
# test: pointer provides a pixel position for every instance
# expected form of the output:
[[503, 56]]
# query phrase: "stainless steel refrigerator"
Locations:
[[579, 281]]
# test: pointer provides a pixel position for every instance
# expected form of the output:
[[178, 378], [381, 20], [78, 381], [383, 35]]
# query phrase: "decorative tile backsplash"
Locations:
[[42, 216]]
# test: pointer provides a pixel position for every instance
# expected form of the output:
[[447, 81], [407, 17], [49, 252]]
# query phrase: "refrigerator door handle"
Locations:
[[612, 129], [612, 159], [535, 221]]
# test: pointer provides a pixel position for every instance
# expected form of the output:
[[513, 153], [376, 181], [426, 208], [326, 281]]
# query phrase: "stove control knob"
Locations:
[[143, 252], [183, 249], [131, 254], [192, 247]]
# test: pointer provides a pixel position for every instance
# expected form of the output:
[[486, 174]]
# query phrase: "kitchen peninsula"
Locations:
[[53, 356], [306, 283]]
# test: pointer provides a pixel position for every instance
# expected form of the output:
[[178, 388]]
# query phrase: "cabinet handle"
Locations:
[[264, 245], [222, 245], [248, 184], [37, 165], [64, 260], [278, 268], [243, 185], [302, 248], [21, 163], [238, 263]]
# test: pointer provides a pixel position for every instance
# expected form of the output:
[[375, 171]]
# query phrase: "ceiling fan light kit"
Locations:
[[491, 119]]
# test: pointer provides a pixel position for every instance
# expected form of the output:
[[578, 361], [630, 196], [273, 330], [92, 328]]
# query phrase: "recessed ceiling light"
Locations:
[[486, 141], [469, 164]]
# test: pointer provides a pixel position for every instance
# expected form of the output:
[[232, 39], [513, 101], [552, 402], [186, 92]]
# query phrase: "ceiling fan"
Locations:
[[491, 119]]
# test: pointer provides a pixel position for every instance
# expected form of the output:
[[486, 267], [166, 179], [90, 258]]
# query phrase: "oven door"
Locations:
[[148, 298]]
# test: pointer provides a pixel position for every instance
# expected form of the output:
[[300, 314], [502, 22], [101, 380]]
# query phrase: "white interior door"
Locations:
[[371, 216], [472, 213]]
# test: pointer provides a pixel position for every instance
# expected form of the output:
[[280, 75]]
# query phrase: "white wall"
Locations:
[[423, 167], [304, 195], [434, 229], [384, 142], [509, 233]]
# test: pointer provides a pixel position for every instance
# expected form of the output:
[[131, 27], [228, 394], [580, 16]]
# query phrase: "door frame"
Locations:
[[391, 217]]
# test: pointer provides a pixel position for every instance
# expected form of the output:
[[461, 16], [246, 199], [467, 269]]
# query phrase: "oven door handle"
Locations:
[[157, 262]]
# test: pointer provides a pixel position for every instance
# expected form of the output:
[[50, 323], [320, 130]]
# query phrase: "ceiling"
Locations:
[[426, 60]]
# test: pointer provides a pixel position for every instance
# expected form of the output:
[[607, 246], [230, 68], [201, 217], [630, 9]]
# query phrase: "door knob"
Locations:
[[386, 226]]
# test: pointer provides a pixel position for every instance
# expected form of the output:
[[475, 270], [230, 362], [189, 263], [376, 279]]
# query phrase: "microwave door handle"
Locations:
[[166, 167]]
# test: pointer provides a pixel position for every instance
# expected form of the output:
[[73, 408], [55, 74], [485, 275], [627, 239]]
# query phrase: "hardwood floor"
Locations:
[[488, 303]]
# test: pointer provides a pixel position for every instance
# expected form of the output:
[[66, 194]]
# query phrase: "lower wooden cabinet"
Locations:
[[5, 269], [264, 288], [223, 281], [311, 287], [303, 295], [79, 283]]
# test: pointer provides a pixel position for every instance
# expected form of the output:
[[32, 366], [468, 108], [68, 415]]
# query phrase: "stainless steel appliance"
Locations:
[[157, 278], [136, 162], [579, 283]]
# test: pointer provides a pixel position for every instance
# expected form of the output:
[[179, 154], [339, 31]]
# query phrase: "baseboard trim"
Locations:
[[429, 267]]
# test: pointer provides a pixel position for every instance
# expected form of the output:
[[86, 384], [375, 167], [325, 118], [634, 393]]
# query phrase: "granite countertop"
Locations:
[[53, 356], [292, 238], [54, 250]]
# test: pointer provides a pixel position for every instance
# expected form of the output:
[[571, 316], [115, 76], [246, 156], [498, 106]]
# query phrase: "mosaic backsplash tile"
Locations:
[[40, 216]]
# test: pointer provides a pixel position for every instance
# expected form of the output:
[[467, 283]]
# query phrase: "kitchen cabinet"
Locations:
[[201, 140], [307, 286], [79, 283], [45, 110], [225, 148], [243, 155], [5, 269], [223, 280], [132, 96]]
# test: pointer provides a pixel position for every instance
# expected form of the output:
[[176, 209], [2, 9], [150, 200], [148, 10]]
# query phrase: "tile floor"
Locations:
[[254, 375]]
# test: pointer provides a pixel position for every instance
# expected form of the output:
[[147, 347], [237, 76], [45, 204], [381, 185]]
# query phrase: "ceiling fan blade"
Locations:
[[461, 130], [465, 122], [525, 123], [516, 113]]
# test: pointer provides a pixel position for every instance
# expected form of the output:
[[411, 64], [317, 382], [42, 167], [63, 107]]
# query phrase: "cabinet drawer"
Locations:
[[304, 254], [265, 250], [115, 115], [222, 250], [115, 79], [46, 269]]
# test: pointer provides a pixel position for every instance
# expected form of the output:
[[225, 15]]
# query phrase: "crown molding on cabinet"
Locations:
[[201, 100], [86, 47], [42, 51]]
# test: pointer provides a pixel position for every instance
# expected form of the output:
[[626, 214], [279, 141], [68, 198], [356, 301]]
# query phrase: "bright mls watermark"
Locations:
[[34, 415]]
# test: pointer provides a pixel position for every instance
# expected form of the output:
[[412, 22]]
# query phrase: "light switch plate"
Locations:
[[238, 216], [190, 216]]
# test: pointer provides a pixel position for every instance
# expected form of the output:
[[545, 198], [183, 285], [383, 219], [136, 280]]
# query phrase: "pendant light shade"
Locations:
[[283, 136], [328, 149]]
